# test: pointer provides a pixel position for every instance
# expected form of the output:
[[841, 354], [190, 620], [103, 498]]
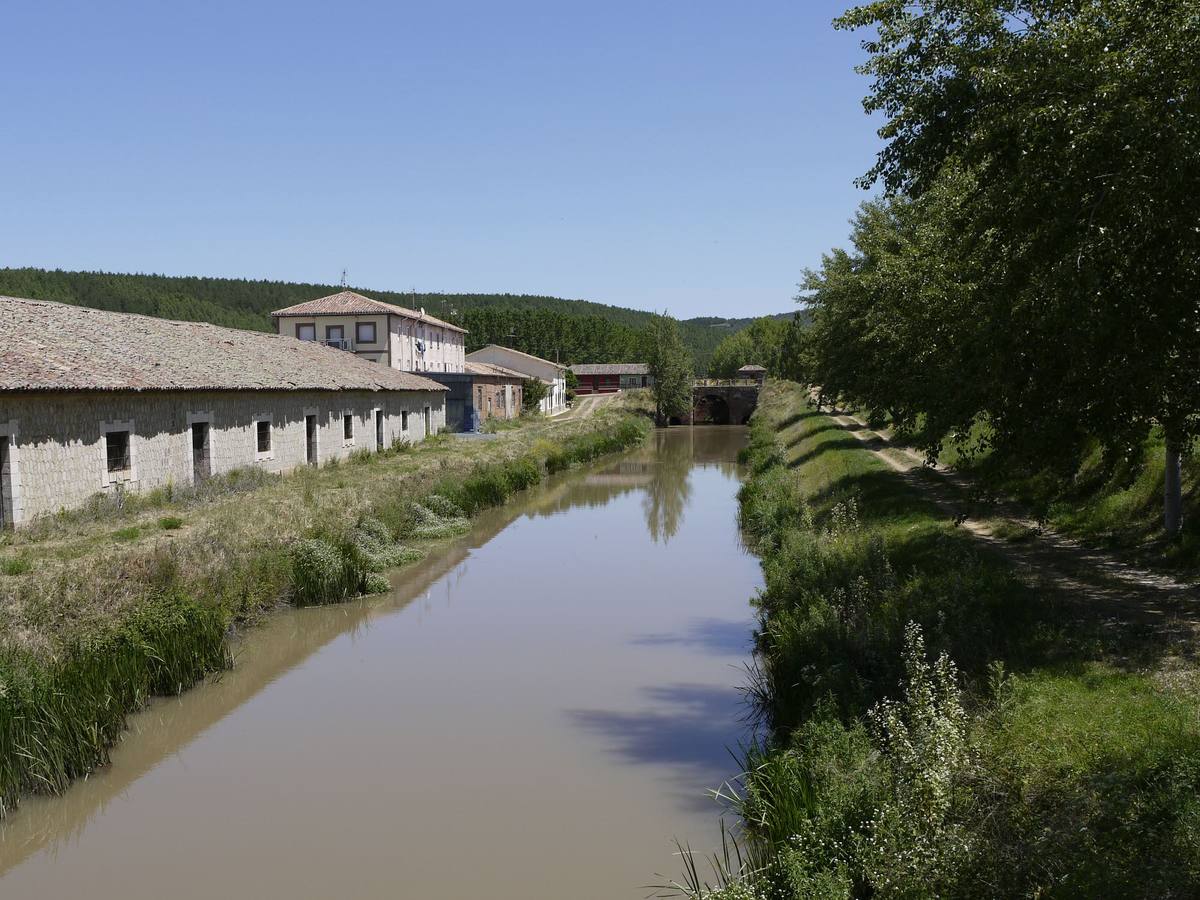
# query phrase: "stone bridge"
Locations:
[[722, 402]]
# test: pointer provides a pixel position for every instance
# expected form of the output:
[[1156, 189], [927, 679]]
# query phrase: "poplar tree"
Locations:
[[670, 367]]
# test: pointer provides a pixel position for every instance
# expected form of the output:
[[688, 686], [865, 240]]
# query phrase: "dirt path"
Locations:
[[586, 406], [1118, 593]]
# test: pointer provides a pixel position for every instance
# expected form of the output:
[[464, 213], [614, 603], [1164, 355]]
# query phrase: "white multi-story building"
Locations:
[[405, 339]]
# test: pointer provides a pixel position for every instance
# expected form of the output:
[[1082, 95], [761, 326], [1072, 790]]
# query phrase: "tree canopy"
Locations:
[[670, 367], [1036, 261]]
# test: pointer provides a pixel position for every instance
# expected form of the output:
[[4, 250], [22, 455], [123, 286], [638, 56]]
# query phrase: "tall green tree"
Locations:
[[670, 367], [758, 344], [1078, 125]]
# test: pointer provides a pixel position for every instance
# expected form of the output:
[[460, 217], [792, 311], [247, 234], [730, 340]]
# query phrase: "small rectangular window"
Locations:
[[116, 449], [307, 331], [364, 332], [404, 421], [264, 435], [335, 333], [348, 426]]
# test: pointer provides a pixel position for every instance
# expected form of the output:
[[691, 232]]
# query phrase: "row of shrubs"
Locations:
[[60, 712], [931, 725]]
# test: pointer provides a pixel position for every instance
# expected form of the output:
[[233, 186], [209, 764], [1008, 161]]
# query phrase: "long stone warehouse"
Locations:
[[94, 401]]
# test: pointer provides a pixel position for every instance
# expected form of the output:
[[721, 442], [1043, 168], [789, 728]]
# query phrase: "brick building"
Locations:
[[551, 374], [482, 392], [95, 401]]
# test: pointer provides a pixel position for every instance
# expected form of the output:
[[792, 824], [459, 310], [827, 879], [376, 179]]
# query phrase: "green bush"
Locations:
[[170, 523], [320, 573]]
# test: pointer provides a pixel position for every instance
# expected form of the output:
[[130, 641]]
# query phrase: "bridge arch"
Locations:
[[712, 409]]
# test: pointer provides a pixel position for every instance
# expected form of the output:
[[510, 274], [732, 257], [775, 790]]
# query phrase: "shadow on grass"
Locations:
[[804, 436], [830, 446]]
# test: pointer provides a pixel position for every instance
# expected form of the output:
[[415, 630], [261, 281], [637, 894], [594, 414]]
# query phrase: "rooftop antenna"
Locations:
[[343, 278]]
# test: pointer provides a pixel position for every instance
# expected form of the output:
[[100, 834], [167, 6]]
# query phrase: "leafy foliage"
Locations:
[[1039, 262], [670, 367], [533, 391]]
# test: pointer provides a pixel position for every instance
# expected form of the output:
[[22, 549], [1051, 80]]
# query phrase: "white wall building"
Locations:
[[404, 339], [94, 401], [551, 374]]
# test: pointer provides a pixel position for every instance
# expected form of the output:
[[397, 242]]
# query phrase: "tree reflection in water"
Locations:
[[661, 471], [668, 488]]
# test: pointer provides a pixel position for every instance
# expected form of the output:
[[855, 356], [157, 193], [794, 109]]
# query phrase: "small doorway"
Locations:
[[379, 429], [428, 420], [201, 456], [310, 440], [6, 512]]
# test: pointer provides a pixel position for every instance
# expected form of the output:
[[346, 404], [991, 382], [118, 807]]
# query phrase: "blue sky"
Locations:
[[694, 157]]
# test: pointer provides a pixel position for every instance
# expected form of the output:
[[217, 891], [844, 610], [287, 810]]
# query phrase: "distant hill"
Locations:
[[572, 330]]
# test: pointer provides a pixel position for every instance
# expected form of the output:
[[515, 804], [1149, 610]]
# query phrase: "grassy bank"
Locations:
[[105, 607], [934, 725], [1107, 499]]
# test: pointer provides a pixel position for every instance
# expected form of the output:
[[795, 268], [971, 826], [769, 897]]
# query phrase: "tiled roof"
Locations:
[[752, 368], [611, 369], [348, 303], [57, 346], [519, 353], [480, 368]]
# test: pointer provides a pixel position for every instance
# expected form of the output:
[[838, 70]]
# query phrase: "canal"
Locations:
[[537, 710]]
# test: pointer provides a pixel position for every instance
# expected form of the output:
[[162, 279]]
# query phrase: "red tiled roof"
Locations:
[[57, 346], [348, 303]]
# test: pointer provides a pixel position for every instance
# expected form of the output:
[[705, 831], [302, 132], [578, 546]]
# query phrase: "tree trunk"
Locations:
[[1172, 491]]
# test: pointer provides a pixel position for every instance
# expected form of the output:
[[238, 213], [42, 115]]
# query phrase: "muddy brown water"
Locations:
[[536, 711]]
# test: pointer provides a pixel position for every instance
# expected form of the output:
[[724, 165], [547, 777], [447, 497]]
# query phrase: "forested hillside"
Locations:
[[570, 330]]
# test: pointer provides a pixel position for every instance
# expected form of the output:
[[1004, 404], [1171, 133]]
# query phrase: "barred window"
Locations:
[[116, 448]]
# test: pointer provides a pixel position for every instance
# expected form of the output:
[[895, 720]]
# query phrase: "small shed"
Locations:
[[753, 373]]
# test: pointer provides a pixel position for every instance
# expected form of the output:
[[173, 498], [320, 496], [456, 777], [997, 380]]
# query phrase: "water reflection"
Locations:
[[720, 637], [554, 644], [692, 730], [669, 487]]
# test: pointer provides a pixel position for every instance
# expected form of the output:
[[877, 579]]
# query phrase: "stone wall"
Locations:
[[57, 446]]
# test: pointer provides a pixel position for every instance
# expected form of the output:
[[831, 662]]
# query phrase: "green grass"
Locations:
[[170, 523], [1074, 774], [1111, 500], [15, 565]]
